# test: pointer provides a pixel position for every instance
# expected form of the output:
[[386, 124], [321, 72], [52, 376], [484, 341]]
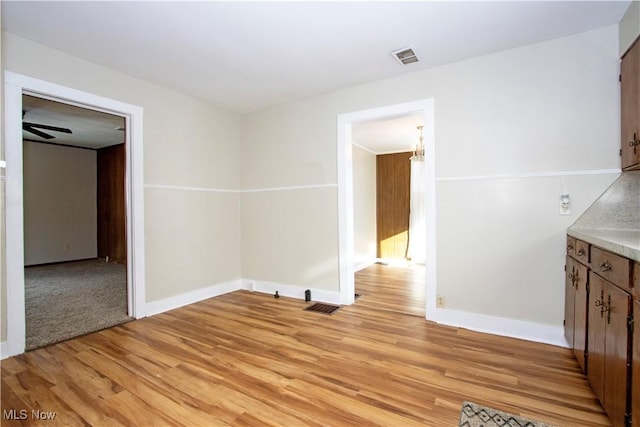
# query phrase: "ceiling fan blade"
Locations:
[[47, 127], [26, 127]]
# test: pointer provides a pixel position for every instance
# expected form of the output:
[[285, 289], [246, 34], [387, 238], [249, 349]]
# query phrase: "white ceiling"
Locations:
[[90, 129], [390, 134], [245, 56]]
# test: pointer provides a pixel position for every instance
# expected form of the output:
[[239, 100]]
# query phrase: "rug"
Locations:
[[474, 415], [70, 299]]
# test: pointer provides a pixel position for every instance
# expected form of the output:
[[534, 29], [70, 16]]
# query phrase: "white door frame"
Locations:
[[345, 196], [15, 86]]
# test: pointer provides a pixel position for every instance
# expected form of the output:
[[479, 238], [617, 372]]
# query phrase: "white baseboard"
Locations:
[[364, 265], [521, 329], [291, 291], [160, 306], [4, 350], [171, 303]]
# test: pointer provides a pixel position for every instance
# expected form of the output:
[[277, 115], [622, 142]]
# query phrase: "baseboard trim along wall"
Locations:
[[513, 328], [171, 303], [521, 329], [4, 350], [291, 291]]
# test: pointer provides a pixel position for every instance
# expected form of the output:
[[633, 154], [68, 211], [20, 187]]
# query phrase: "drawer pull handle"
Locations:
[[574, 280], [581, 252], [569, 248], [600, 303], [605, 266]]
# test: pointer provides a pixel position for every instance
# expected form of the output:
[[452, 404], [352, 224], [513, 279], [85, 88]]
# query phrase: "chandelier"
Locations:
[[418, 151]]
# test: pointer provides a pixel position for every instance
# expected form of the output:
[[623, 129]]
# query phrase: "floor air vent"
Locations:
[[323, 308]]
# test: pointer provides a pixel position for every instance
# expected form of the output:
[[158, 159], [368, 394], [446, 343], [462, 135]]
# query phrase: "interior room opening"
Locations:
[[75, 240]]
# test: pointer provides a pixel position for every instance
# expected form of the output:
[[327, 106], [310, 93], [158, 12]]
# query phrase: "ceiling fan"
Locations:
[[31, 127]]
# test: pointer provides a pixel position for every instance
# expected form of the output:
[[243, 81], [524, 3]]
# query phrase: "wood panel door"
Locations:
[[596, 337], [569, 302], [635, 389], [112, 231], [630, 107], [393, 172], [616, 353], [581, 314]]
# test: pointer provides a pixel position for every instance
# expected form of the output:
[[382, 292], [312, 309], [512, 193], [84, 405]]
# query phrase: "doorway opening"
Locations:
[[349, 263], [16, 86], [75, 248]]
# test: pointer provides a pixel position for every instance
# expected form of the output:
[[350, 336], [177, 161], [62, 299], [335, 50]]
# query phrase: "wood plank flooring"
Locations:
[[394, 288], [247, 359]]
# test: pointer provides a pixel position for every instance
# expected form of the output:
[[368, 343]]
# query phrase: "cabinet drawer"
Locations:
[[582, 252], [571, 246], [612, 267]]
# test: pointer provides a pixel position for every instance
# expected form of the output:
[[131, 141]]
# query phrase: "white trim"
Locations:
[[345, 196], [192, 297], [513, 328], [181, 188], [171, 303], [364, 265], [255, 190], [530, 175], [3, 164], [4, 350], [290, 291], [15, 86], [298, 187], [362, 147]]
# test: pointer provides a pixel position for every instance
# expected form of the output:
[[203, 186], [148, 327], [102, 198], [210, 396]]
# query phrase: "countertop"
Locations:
[[622, 242], [613, 220]]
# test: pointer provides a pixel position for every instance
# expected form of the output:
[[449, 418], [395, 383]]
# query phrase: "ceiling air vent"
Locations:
[[405, 56]]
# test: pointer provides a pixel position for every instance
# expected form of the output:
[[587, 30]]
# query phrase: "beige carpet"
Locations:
[[69, 299]]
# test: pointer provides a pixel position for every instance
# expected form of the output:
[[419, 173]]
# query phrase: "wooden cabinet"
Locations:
[[600, 330], [608, 346], [612, 267], [576, 318], [635, 389], [630, 108]]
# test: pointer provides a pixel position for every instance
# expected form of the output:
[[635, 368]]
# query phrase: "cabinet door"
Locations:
[[635, 390], [569, 302], [630, 106], [616, 353], [581, 315], [596, 335]]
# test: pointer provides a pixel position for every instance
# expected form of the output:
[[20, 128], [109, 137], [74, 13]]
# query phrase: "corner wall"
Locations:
[[514, 130], [364, 207], [191, 162]]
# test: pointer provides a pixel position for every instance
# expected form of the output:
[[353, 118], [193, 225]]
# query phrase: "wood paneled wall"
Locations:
[[112, 236], [393, 172]]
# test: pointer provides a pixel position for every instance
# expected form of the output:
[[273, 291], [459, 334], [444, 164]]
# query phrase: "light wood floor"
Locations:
[[248, 359], [395, 288]]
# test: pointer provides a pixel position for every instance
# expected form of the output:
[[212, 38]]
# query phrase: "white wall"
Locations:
[[513, 131], [364, 207], [544, 116], [191, 158], [60, 203], [629, 27]]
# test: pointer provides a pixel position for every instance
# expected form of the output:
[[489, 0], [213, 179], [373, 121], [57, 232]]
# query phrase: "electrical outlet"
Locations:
[[565, 205], [440, 301]]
